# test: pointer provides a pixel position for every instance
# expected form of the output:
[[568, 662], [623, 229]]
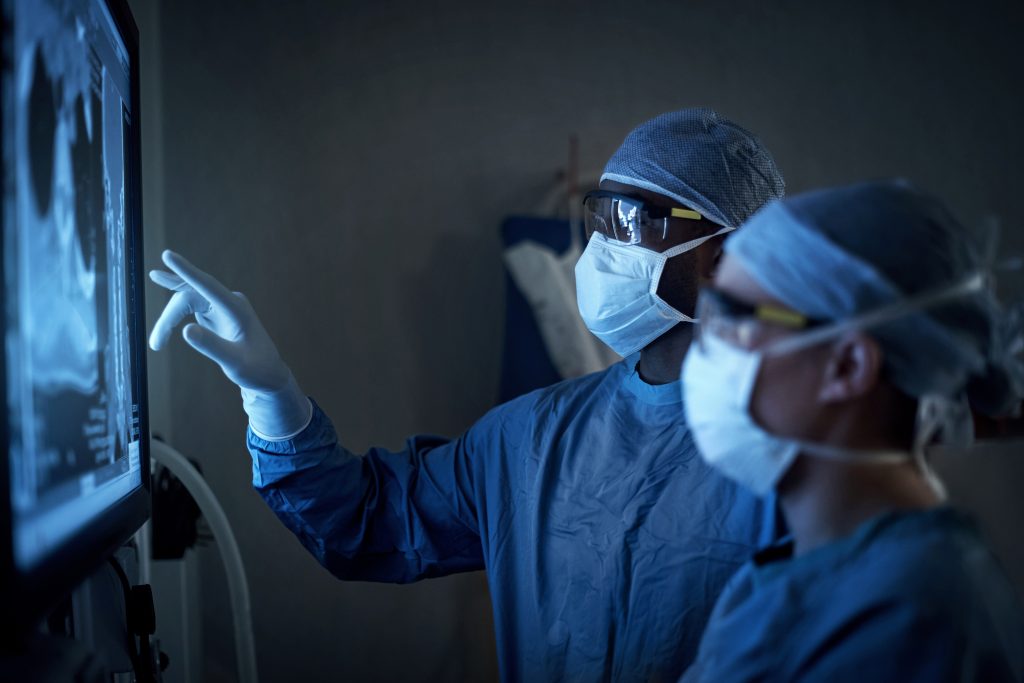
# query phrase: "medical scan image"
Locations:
[[71, 384]]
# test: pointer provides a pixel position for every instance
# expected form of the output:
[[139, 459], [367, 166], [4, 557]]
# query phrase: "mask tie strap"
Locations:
[[693, 244], [969, 285], [867, 457]]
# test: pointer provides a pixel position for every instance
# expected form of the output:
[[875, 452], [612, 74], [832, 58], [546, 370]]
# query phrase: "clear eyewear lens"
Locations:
[[627, 220], [743, 332], [598, 216], [593, 222], [623, 221]]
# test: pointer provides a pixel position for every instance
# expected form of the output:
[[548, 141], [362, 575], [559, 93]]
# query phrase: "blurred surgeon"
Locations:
[[846, 330], [569, 496]]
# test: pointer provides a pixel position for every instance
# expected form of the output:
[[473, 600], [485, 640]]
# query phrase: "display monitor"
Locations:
[[76, 472]]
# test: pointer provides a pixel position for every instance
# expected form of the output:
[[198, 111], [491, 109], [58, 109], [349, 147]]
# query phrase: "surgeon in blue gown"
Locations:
[[605, 538], [846, 331]]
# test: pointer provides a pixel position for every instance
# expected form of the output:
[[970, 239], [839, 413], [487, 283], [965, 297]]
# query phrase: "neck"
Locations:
[[825, 500], [661, 360]]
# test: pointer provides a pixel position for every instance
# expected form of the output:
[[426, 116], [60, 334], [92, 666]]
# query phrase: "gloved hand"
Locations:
[[228, 332]]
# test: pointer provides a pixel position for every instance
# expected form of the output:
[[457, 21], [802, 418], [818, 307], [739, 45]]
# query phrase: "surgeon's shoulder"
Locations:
[[955, 597], [557, 400], [567, 393], [939, 563]]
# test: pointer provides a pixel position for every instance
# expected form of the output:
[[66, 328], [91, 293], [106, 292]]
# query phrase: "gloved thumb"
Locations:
[[211, 345]]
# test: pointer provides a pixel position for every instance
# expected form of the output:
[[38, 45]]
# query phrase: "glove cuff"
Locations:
[[278, 415]]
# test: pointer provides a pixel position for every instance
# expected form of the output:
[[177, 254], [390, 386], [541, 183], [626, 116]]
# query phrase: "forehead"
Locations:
[[733, 279]]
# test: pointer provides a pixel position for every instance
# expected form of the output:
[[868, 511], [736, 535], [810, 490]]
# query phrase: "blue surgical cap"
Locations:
[[835, 253], [702, 160]]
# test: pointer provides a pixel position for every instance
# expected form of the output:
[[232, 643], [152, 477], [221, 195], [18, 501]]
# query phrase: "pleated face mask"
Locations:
[[616, 290]]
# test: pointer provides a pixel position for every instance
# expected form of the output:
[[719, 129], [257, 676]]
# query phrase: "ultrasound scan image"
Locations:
[[73, 416]]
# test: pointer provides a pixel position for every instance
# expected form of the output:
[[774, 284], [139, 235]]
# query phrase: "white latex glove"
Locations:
[[228, 332]]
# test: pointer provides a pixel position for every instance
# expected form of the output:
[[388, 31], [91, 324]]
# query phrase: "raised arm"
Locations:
[[384, 516]]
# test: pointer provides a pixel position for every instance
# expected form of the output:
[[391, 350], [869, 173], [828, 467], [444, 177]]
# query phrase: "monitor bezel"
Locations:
[[28, 596]]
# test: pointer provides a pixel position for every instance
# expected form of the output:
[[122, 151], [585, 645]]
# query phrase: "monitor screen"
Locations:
[[75, 384]]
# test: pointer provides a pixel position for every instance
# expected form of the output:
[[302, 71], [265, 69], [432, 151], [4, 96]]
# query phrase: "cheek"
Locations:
[[709, 257], [784, 399], [679, 283]]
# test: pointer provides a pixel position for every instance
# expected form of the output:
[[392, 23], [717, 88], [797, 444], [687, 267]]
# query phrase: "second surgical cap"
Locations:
[[836, 253], [702, 160]]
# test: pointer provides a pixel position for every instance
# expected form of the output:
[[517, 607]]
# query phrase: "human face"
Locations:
[[787, 396], [684, 274]]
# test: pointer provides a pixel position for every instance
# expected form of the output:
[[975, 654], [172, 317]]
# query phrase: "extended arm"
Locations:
[[385, 516]]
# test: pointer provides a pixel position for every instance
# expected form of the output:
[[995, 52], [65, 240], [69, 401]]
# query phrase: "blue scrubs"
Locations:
[[605, 537], [911, 596]]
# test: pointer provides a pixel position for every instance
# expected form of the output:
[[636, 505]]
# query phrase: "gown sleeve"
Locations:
[[392, 516]]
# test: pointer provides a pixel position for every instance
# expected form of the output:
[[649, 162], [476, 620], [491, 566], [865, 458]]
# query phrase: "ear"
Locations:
[[853, 369]]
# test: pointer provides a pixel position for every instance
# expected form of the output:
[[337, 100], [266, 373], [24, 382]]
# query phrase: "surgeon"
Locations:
[[606, 539], [846, 331]]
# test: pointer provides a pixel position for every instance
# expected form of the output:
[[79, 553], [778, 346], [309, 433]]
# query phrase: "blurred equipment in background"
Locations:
[[546, 340], [176, 527], [176, 517], [188, 493]]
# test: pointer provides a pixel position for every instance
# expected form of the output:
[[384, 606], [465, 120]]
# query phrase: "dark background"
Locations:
[[347, 165]]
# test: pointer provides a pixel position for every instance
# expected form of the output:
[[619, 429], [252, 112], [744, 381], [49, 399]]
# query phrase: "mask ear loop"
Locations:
[[936, 415]]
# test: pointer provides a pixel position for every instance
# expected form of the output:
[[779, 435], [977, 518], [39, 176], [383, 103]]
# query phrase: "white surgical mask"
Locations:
[[616, 290], [718, 383]]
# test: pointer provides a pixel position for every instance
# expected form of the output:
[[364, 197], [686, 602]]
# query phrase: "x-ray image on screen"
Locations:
[[72, 396]]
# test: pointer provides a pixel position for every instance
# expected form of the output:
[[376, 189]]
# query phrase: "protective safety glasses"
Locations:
[[633, 221], [743, 325], [751, 327]]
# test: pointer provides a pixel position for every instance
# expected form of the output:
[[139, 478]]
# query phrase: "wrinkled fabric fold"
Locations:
[[605, 537]]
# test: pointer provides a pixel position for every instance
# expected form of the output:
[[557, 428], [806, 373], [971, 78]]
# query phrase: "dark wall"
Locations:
[[347, 165]]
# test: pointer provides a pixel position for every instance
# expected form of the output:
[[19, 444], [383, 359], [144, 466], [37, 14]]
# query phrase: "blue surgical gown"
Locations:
[[909, 597], [605, 537]]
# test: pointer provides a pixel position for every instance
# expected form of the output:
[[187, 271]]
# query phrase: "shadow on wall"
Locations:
[[460, 272]]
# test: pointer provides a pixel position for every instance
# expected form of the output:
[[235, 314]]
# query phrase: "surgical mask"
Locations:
[[616, 291], [719, 380], [718, 383]]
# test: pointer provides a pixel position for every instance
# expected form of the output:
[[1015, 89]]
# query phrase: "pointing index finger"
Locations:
[[205, 284], [168, 280]]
